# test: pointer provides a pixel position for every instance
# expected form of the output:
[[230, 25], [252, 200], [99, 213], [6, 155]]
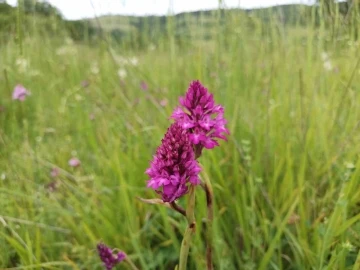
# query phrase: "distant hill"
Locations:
[[200, 24], [138, 31]]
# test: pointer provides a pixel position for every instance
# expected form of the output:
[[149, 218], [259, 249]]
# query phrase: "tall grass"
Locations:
[[286, 183]]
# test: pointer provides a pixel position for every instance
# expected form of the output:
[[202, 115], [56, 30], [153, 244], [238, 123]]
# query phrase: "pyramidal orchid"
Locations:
[[199, 114], [174, 167], [174, 170]]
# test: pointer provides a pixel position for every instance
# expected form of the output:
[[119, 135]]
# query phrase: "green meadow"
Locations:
[[286, 183]]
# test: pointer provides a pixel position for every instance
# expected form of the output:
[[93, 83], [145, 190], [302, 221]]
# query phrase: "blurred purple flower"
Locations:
[[174, 166], [74, 162], [85, 83], [144, 86], [200, 115], [107, 256], [92, 116], [20, 93], [52, 186], [55, 172]]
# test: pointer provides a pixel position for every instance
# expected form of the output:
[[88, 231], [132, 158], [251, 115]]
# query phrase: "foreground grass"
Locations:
[[286, 184]]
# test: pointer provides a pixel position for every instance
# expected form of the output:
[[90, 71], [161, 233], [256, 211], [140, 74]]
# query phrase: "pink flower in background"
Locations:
[[74, 162], [52, 186], [144, 86], [163, 102], [174, 166], [54, 172], [200, 115], [20, 93]]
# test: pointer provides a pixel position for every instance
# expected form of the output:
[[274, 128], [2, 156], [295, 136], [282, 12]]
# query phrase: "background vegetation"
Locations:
[[286, 183]]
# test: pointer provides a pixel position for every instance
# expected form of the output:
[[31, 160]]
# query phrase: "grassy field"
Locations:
[[286, 183]]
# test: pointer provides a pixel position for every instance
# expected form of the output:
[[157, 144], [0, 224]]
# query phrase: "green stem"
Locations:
[[19, 24], [132, 265], [178, 208], [210, 217], [190, 230]]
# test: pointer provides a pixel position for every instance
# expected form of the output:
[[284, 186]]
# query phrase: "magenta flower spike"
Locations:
[[20, 93], [107, 256], [173, 167], [200, 115]]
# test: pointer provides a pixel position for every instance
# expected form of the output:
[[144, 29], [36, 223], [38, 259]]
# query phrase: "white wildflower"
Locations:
[[324, 56], [134, 61], [66, 50], [61, 51], [327, 65], [152, 47], [34, 73], [348, 246], [22, 64], [49, 130], [78, 97], [95, 68], [120, 60], [350, 165], [69, 41], [122, 73], [326, 61]]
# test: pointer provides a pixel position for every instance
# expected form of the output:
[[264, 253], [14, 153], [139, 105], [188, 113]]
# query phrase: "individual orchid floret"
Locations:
[[108, 257], [200, 115], [174, 167], [20, 93]]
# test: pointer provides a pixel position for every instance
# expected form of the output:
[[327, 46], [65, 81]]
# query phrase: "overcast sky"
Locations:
[[77, 9]]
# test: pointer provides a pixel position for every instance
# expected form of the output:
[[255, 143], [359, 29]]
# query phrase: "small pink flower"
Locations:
[[52, 186], [144, 86], [54, 172], [92, 116], [163, 102], [20, 93], [74, 162]]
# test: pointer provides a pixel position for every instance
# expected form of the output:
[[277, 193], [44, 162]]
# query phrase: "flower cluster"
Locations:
[[174, 166], [200, 115], [199, 122], [107, 256]]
